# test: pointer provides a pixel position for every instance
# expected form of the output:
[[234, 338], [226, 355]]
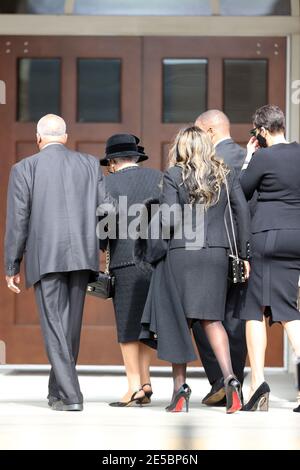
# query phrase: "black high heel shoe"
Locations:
[[259, 400], [233, 390], [133, 401], [180, 397], [147, 398], [297, 409]]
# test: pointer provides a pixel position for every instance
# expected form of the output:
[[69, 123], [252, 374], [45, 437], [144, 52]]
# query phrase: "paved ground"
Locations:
[[26, 422]]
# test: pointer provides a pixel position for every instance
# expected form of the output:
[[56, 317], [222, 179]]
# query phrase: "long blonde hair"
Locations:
[[202, 172]]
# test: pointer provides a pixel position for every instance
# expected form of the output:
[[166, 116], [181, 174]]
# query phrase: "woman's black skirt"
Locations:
[[273, 283], [186, 284], [201, 281], [131, 290]]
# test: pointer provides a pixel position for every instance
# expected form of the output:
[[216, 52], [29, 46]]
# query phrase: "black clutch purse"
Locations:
[[102, 284], [236, 270]]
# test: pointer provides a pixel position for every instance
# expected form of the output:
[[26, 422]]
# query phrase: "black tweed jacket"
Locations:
[[138, 184]]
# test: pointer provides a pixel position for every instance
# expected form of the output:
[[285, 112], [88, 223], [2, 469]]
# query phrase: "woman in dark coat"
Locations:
[[274, 172], [136, 184], [190, 284]]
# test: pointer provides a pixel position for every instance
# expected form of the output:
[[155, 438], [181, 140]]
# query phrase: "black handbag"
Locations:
[[102, 284], [236, 271]]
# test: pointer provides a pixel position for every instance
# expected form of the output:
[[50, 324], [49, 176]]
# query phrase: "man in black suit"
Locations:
[[217, 125], [51, 220]]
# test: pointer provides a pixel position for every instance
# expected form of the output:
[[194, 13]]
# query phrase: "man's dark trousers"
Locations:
[[60, 298]]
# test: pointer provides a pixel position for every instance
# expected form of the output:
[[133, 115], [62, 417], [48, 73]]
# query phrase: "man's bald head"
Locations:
[[215, 123], [51, 128]]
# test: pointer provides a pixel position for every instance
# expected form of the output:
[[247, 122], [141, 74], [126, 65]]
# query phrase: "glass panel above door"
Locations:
[[38, 7], [38, 88], [184, 89], [245, 88], [155, 7], [143, 7], [99, 90], [255, 7]]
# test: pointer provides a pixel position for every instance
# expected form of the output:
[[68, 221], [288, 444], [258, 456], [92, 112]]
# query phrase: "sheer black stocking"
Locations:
[[218, 339], [179, 376]]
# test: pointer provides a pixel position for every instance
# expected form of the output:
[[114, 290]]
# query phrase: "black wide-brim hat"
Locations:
[[123, 145]]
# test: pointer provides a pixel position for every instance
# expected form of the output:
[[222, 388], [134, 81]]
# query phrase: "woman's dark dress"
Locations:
[[132, 285], [192, 283], [274, 173]]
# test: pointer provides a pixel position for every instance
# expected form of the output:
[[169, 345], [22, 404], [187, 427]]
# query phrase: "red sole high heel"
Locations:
[[182, 397], [179, 406], [236, 403], [233, 394]]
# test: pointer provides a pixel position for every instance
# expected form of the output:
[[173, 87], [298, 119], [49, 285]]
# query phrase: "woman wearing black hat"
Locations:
[[129, 180]]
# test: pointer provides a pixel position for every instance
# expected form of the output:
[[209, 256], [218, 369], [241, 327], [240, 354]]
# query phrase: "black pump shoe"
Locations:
[[180, 397], [297, 409], [233, 390], [132, 401], [259, 400]]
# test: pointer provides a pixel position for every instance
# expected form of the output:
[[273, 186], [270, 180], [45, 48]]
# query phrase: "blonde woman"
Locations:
[[190, 284]]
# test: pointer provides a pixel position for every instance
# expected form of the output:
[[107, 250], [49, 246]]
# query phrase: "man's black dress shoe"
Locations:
[[217, 396], [61, 406], [52, 399]]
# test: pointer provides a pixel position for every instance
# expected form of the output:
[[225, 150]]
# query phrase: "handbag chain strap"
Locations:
[[107, 259], [236, 254]]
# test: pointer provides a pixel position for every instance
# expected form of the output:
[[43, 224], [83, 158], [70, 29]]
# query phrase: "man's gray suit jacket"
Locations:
[[51, 213]]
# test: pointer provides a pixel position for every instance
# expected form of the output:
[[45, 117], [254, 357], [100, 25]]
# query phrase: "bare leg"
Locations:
[[145, 357], [218, 340], [130, 353], [256, 336], [293, 331]]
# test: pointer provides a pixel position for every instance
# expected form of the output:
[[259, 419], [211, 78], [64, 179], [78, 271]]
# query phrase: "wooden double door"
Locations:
[[104, 85]]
